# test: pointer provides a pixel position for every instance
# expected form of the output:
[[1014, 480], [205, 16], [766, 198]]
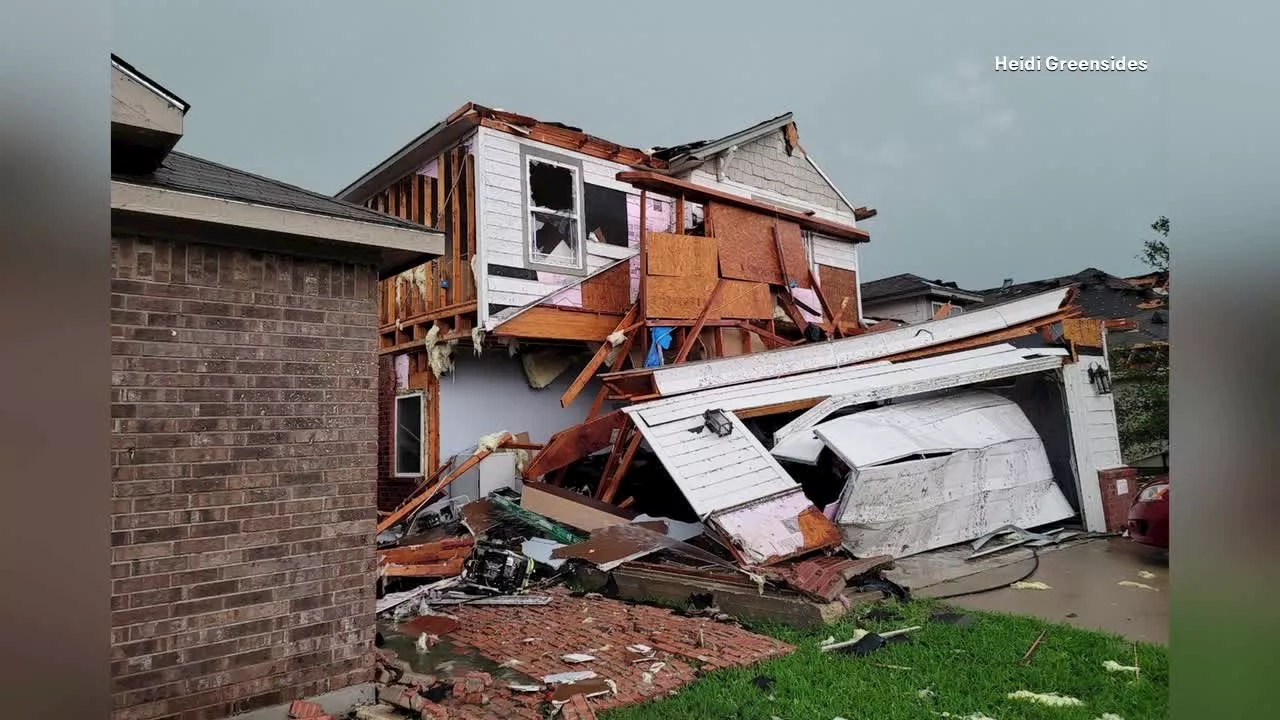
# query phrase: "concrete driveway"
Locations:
[[1084, 586]]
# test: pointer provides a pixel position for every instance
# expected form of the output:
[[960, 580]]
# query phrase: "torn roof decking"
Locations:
[[934, 336]]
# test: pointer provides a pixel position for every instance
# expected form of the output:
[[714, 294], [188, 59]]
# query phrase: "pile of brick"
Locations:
[[303, 710]]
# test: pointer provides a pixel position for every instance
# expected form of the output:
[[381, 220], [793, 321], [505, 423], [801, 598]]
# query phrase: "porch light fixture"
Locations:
[[717, 423], [1100, 379]]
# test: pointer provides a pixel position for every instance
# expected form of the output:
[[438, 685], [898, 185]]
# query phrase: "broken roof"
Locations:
[[908, 285], [700, 150], [1104, 296]]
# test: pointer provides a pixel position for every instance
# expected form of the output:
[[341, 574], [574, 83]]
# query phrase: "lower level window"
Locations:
[[408, 436]]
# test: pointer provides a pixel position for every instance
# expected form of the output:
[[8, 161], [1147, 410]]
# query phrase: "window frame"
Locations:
[[527, 155], [395, 435], [935, 306]]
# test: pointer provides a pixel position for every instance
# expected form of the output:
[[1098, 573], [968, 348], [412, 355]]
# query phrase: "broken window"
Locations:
[[408, 436], [936, 306], [554, 206]]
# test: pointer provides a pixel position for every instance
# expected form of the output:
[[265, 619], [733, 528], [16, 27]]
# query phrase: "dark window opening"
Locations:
[[553, 213], [408, 438]]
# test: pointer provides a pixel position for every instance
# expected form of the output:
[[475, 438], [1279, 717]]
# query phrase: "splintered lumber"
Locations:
[[597, 360], [826, 307], [445, 568], [623, 465], [623, 354], [430, 552], [572, 444], [427, 494]]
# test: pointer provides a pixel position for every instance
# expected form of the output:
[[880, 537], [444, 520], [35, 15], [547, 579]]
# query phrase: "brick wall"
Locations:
[[765, 164], [1115, 504], [392, 491], [244, 464]]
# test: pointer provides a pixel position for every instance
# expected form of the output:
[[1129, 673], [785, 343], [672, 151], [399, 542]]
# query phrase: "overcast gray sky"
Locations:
[[978, 175]]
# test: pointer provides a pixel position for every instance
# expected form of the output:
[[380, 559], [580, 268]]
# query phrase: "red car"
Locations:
[[1149, 514]]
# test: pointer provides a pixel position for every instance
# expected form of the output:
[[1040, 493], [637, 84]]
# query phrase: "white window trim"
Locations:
[[395, 435], [579, 266], [935, 306]]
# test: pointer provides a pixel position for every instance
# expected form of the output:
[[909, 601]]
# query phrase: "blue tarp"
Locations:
[[661, 341]]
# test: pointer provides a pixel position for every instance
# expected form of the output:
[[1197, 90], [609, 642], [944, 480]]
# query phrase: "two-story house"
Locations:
[[558, 242], [911, 299]]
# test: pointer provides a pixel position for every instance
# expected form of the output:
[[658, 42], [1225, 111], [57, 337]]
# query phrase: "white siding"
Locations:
[[1094, 435], [715, 472], [501, 220], [689, 377], [836, 253], [706, 176], [910, 310]]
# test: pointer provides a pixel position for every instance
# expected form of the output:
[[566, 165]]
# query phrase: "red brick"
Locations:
[[206, 422]]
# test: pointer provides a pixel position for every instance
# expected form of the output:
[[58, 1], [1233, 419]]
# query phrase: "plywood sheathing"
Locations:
[[1086, 332], [748, 249], [609, 291], [840, 287], [681, 255], [551, 323]]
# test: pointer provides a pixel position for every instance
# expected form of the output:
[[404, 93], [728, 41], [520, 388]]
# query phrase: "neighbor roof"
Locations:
[[187, 173], [908, 285], [1105, 296], [150, 84]]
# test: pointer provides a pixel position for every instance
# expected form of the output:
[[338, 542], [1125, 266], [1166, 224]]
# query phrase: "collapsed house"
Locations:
[[717, 330]]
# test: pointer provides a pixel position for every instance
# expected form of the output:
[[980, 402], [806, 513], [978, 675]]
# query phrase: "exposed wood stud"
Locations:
[[623, 465], [596, 361]]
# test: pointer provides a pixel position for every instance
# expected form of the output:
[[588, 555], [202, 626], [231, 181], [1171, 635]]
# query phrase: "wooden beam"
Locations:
[[623, 465], [774, 409], [674, 187], [644, 273], [433, 417], [596, 361], [789, 306], [572, 444], [822, 300], [692, 335], [611, 465], [782, 259], [548, 323], [768, 337], [598, 405], [523, 446], [427, 494]]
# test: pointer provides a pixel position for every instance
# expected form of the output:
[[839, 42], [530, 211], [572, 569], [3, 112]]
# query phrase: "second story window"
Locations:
[[553, 212]]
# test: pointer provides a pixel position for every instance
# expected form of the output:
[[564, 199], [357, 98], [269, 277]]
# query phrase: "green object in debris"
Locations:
[[553, 530]]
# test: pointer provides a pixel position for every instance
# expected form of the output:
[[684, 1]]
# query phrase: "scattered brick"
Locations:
[[304, 709]]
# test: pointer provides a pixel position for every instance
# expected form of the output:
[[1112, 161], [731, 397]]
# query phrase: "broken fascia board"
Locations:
[[707, 374], [964, 421], [748, 395], [906, 508], [716, 473], [815, 414], [859, 385]]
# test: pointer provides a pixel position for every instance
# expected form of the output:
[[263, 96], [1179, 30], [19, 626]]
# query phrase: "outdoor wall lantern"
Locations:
[[717, 423], [1100, 379]]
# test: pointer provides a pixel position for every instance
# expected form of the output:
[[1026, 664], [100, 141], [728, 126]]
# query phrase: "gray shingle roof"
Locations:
[[187, 173], [907, 284], [1101, 295]]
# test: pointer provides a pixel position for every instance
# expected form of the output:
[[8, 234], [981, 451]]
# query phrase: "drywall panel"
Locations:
[[690, 377], [490, 393], [907, 508]]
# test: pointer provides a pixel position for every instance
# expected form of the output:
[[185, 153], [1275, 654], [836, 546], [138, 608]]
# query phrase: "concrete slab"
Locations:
[[1085, 591]]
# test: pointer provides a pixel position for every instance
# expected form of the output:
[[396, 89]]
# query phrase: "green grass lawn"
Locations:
[[968, 671]]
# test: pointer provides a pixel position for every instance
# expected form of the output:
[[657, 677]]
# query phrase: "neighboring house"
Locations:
[[1136, 311], [1138, 308], [542, 262], [911, 299], [243, 390]]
